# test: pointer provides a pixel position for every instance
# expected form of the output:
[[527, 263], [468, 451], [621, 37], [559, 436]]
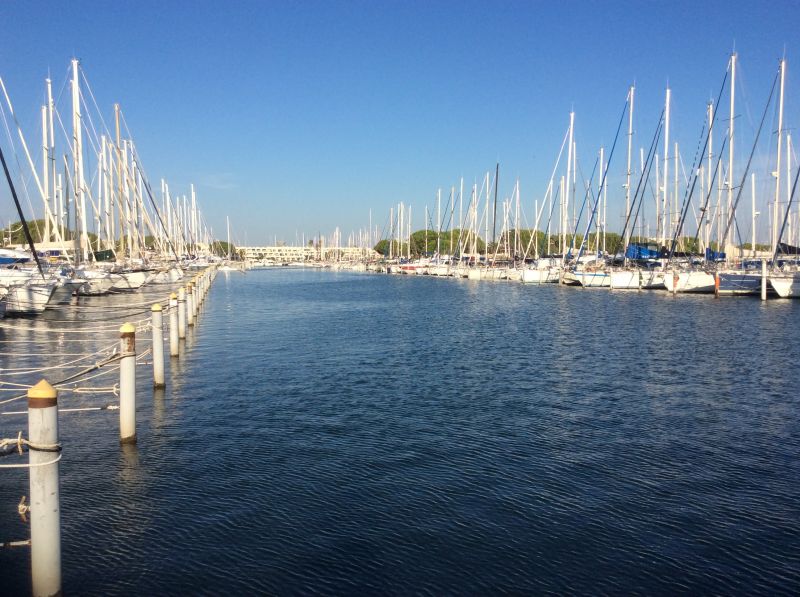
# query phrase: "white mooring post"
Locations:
[[182, 312], [158, 345], [763, 279], [44, 501], [127, 384], [198, 295], [174, 341], [190, 304]]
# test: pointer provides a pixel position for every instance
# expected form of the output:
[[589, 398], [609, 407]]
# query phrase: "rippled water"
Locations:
[[352, 434]]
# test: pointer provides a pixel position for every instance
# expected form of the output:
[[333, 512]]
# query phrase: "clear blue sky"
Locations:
[[301, 116]]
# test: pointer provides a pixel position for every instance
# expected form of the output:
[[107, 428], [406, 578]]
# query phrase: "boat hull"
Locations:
[[739, 283], [689, 281], [786, 285], [589, 279], [625, 280], [29, 298]]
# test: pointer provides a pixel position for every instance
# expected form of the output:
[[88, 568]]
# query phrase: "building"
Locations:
[[284, 254]]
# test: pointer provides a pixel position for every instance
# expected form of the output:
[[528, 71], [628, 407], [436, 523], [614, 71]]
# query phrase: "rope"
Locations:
[[29, 465], [66, 365], [64, 330], [69, 410], [112, 318], [20, 441], [25, 543], [115, 357]]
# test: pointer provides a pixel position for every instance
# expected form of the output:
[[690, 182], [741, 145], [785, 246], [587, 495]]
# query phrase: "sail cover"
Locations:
[[641, 252], [714, 255]]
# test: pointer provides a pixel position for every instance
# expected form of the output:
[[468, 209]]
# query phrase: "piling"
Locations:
[[174, 342], [158, 345], [127, 384], [45, 512], [182, 312], [190, 304], [198, 295], [716, 284], [763, 279]]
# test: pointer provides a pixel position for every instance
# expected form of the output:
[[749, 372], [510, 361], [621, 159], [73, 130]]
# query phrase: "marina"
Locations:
[[371, 461], [388, 299]]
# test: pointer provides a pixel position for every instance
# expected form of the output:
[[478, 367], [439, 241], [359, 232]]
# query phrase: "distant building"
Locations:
[[283, 254]]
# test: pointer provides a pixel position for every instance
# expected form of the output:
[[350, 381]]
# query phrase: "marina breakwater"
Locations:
[[35, 348]]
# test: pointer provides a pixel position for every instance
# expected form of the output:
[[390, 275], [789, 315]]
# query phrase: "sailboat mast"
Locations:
[[119, 183], [628, 173], [709, 168], [77, 132], [665, 176], [729, 240], [565, 196], [45, 174], [753, 223], [778, 164], [438, 223], [51, 158]]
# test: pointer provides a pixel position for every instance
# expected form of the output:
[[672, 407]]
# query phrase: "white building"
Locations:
[[284, 254]]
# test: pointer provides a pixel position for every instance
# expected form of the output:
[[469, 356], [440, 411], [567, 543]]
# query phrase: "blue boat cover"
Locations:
[[714, 255], [641, 252]]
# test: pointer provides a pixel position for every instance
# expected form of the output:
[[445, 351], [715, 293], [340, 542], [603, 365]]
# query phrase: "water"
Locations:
[[352, 434]]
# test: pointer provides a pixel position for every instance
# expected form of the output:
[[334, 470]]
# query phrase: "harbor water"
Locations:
[[349, 434]]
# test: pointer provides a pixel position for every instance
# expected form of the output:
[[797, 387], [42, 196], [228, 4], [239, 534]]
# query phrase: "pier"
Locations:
[[101, 380]]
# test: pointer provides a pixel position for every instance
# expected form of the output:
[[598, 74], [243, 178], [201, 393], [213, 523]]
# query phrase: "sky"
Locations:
[[293, 118]]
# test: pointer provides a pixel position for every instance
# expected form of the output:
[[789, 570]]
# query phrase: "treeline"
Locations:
[[529, 243]]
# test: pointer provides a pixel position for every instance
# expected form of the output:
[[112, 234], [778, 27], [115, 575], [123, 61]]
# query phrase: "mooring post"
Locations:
[[716, 284], [158, 345], [198, 295], [182, 312], [763, 279], [190, 304], [127, 384], [45, 512], [174, 342]]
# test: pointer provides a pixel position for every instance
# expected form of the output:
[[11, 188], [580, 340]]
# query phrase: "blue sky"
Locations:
[[297, 117]]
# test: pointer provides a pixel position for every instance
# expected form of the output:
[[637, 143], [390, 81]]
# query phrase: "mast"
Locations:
[[494, 219], [755, 213], [601, 184], [45, 174], [408, 226], [675, 207], [460, 218], [628, 173], [565, 196], [119, 184], [452, 210], [778, 165], [788, 187], [729, 240], [51, 159], [517, 243], [709, 168], [665, 177], [228, 226], [438, 224], [78, 184]]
